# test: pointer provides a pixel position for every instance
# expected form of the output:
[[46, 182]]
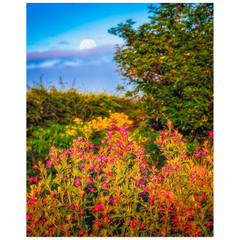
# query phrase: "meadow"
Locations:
[[97, 167]]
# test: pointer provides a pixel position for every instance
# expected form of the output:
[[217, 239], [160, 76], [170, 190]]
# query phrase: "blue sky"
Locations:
[[54, 34]]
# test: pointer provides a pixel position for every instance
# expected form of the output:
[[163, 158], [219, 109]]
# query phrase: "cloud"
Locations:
[[63, 43], [61, 58]]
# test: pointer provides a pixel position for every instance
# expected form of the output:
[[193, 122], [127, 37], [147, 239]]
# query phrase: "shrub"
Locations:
[[48, 106], [110, 190]]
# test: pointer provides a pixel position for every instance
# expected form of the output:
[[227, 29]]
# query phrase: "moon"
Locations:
[[87, 43]]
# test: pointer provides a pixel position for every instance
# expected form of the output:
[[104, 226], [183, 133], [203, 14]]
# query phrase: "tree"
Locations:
[[169, 61]]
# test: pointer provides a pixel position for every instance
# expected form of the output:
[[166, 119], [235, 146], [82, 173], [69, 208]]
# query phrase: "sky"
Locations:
[[55, 32]]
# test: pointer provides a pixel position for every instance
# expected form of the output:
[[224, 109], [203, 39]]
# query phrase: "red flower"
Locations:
[[81, 232], [209, 224], [211, 133], [71, 207], [81, 212]]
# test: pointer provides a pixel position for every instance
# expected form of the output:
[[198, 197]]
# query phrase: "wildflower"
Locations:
[[49, 164], [193, 176], [211, 133], [28, 217], [62, 229], [72, 218], [71, 207], [91, 145], [44, 202], [81, 232], [110, 173], [77, 183], [91, 190], [103, 142], [50, 229], [204, 153], [97, 223], [105, 184], [120, 152], [90, 180], [118, 144], [105, 158], [209, 224], [99, 169], [81, 212], [166, 173], [30, 180], [109, 220], [197, 155], [174, 167]]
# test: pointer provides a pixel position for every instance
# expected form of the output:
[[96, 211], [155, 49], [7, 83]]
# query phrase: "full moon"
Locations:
[[87, 43]]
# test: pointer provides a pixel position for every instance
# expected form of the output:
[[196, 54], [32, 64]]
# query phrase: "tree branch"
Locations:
[[208, 11]]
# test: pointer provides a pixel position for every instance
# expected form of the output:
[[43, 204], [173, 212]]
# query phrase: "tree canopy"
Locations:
[[169, 61]]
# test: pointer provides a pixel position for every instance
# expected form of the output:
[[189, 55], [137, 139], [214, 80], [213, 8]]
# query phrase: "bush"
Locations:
[[52, 106], [110, 190]]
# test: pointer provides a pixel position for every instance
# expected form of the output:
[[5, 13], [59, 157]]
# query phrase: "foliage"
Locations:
[[170, 63], [110, 190], [47, 106]]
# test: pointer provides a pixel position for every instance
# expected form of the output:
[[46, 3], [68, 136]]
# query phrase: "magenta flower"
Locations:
[[90, 180], [118, 144], [99, 159], [197, 155], [105, 158], [49, 164], [71, 207], [91, 190], [91, 145], [30, 180], [193, 176], [99, 169], [77, 183], [103, 142], [161, 142], [104, 184], [166, 173], [35, 179], [120, 152], [211, 133], [44, 202], [204, 153], [174, 167]]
